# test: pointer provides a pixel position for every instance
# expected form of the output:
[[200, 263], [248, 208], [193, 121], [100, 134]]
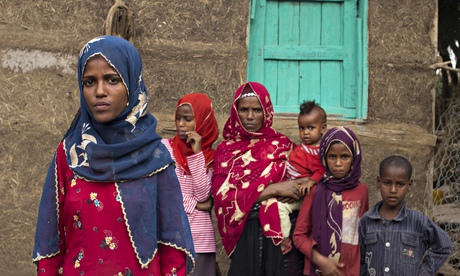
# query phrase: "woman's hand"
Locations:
[[195, 140], [205, 205], [286, 194], [286, 191]]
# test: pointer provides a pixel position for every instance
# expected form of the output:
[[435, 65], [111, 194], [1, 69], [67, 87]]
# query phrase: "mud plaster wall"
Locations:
[[400, 89], [400, 51]]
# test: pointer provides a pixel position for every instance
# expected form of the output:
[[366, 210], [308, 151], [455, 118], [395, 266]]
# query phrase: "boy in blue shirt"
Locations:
[[395, 240]]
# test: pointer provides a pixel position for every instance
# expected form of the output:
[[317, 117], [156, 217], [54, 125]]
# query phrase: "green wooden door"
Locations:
[[310, 50]]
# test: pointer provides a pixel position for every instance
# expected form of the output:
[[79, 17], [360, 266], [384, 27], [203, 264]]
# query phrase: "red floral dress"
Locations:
[[93, 234]]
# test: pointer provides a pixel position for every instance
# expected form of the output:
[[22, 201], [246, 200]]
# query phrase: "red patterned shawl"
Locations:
[[245, 164], [206, 127]]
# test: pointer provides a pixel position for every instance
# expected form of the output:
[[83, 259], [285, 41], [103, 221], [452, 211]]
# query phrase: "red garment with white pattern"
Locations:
[[245, 163]]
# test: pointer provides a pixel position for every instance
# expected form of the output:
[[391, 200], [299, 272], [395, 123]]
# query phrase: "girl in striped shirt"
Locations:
[[191, 148]]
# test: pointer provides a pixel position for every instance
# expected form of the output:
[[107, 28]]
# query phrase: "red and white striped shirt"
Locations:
[[196, 188]]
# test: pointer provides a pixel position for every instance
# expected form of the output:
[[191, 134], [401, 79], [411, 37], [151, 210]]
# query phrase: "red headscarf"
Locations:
[[206, 127], [245, 164]]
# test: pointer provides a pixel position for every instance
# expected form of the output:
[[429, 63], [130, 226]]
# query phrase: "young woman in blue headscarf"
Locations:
[[111, 203]]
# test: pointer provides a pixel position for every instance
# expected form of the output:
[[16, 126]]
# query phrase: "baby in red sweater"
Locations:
[[304, 161]]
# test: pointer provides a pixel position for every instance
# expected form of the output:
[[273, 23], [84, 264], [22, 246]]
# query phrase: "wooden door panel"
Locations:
[[306, 50], [331, 83], [310, 81]]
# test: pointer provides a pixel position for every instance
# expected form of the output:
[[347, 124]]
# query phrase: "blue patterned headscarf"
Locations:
[[127, 151], [128, 147]]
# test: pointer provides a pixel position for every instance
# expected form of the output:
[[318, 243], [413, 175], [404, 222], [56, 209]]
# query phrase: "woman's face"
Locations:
[[339, 160], [185, 121], [103, 90], [250, 113]]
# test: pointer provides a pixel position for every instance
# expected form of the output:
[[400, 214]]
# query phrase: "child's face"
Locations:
[[185, 121], [339, 160], [311, 129], [393, 184]]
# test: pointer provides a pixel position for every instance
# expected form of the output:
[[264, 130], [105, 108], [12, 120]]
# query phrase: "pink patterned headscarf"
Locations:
[[245, 163]]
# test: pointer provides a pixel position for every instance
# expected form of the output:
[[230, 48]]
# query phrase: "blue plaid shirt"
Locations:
[[398, 246]]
